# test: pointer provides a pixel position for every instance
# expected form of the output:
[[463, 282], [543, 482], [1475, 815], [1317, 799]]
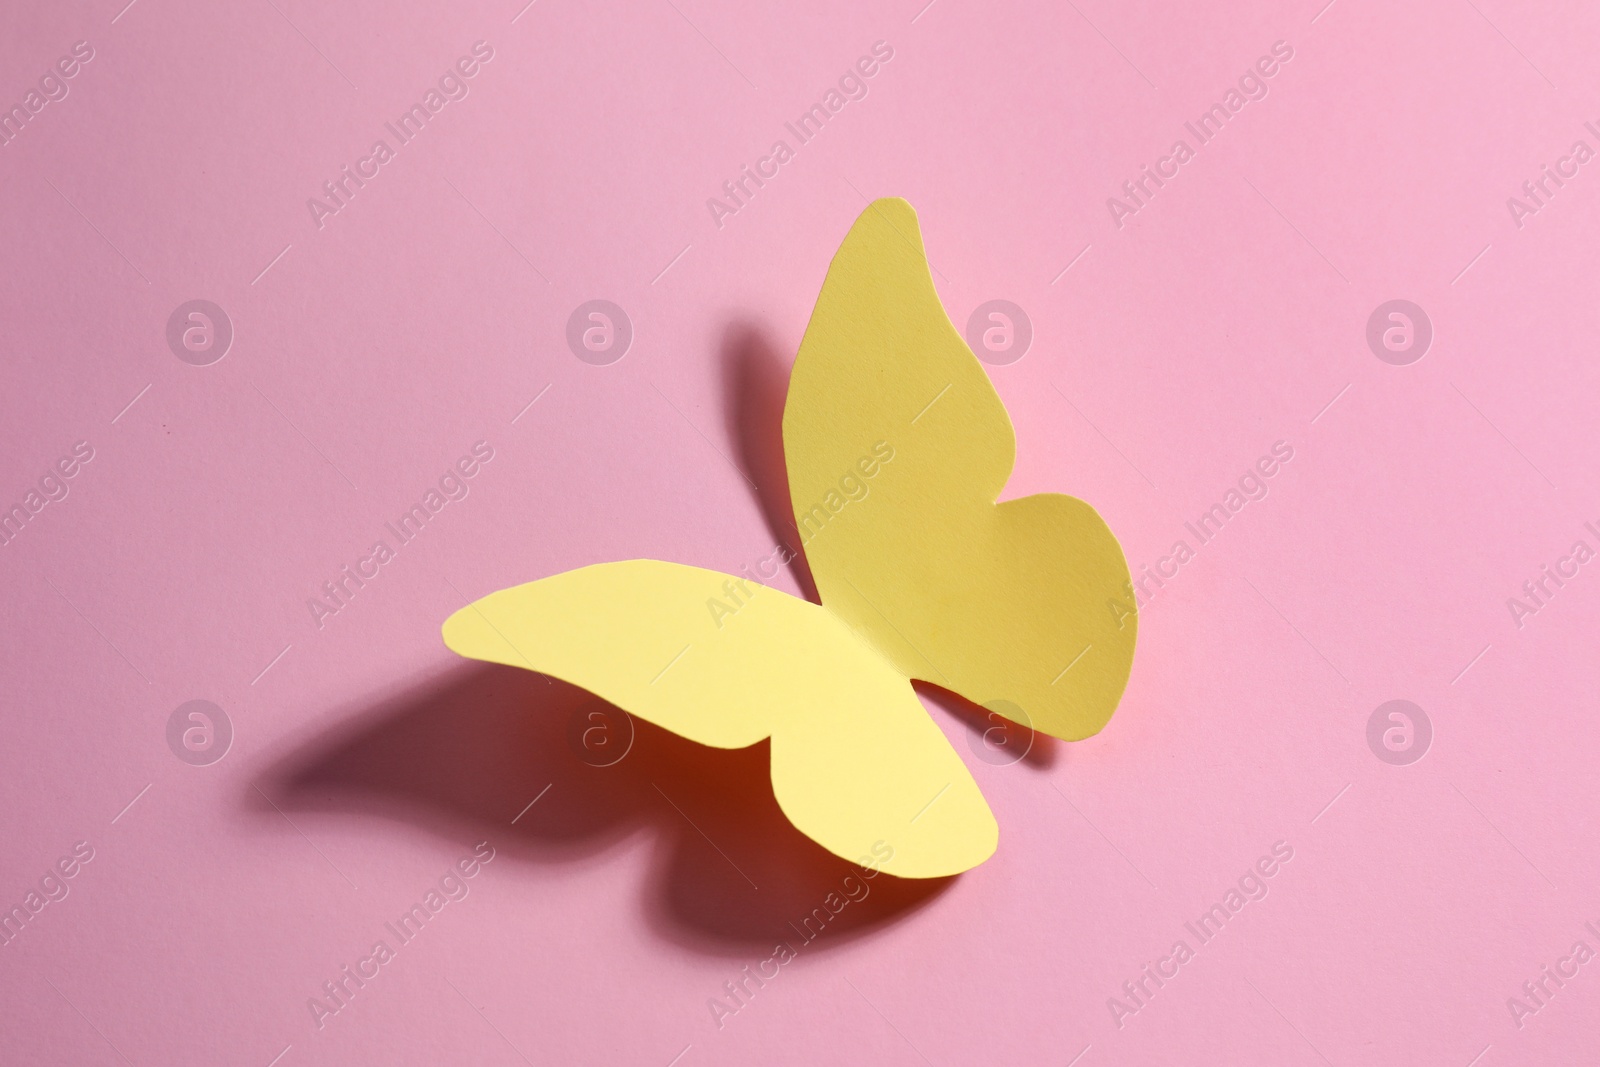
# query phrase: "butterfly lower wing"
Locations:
[[869, 775], [856, 761], [897, 448]]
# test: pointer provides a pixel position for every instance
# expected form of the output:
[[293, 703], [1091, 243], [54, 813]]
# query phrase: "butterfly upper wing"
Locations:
[[856, 761], [897, 447]]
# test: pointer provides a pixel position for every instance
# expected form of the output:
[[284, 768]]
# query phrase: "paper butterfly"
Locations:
[[897, 449]]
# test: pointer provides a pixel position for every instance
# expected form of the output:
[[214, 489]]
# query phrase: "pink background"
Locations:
[[427, 314]]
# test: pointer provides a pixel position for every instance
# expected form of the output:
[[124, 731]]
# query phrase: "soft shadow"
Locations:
[[530, 763], [463, 754], [755, 381], [1040, 750]]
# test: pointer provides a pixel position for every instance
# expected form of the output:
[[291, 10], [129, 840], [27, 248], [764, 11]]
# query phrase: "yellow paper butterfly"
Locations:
[[897, 448]]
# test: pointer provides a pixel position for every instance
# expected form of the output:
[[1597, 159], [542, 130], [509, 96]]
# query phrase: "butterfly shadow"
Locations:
[[554, 777], [549, 775], [755, 383]]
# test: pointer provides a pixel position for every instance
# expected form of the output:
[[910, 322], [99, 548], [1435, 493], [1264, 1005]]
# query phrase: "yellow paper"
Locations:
[[897, 448], [990, 601], [855, 758]]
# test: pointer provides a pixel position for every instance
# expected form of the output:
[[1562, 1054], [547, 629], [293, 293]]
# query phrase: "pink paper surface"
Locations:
[[374, 346]]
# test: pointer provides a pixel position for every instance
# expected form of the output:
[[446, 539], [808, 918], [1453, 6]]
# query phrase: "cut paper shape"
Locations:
[[897, 449]]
